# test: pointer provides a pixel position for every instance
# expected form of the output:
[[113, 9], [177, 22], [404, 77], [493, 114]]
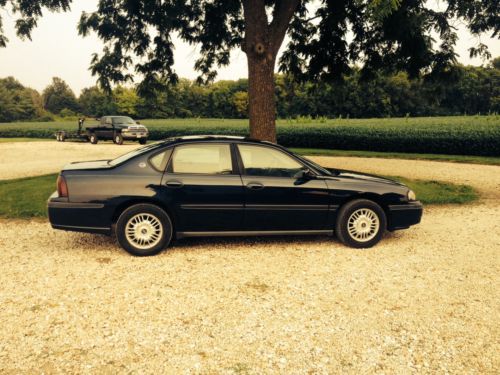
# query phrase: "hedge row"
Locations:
[[431, 140]]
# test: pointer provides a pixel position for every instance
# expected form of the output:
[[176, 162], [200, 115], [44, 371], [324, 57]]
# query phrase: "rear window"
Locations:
[[202, 159], [133, 154]]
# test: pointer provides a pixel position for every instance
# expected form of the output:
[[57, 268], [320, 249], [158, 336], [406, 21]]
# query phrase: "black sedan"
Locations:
[[225, 186]]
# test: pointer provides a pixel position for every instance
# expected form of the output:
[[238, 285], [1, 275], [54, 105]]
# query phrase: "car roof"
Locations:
[[212, 137]]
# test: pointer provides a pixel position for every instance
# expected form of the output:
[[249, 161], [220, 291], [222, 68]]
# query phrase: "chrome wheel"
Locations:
[[144, 231], [363, 225]]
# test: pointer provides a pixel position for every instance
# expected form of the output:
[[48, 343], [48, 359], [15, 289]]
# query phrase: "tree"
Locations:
[[58, 96], [95, 102], [326, 39], [17, 102]]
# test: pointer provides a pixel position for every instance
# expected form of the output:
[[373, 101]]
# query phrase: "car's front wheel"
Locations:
[[144, 229], [118, 138], [143, 141], [360, 223], [93, 138]]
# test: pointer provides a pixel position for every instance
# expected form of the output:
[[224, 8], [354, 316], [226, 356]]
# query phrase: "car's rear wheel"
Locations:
[[361, 223], [57, 138], [142, 141], [144, 229], [118, 138], [93, 139], [62, 137]]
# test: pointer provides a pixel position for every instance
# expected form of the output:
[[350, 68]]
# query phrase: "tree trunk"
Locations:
[[261, 44], [261, 100]]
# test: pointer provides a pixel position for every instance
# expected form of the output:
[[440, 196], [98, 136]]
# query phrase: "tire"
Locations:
[[118, 138], [57, 138], [142, 141], [360, 224], [153, 220], [93, 138], [62, 137]]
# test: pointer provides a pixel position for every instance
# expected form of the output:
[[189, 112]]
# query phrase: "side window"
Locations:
[[266, 161], [159, 161], [202, 158]]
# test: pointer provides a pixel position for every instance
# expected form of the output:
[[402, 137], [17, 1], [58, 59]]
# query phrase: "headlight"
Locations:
[[411, 195]]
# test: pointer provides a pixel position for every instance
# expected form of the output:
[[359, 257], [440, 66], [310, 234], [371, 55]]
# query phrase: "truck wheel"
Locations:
[[360, 224], [93, 139], [118, 138], [142, 141], [144, 229], [57, 138], [62, 137]]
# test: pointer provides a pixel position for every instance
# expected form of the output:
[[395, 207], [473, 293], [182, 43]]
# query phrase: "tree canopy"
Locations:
[[326, 39]]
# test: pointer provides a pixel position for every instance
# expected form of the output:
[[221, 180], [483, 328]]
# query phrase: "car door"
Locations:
[[276, 200], [204, 188]]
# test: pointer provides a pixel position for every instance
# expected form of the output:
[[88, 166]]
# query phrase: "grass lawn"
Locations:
[[27, 197], [491, 160]]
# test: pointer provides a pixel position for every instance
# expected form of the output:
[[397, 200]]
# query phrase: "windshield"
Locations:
[[314, 165], [132, 154], [123, 120]]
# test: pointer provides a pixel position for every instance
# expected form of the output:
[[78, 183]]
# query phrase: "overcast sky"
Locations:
[[56, 49]]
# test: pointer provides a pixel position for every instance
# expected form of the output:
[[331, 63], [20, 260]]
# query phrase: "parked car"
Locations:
[[117, 129], [225, 186]]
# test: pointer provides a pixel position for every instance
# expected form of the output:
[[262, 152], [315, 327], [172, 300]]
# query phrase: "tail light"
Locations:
[[62, 187]]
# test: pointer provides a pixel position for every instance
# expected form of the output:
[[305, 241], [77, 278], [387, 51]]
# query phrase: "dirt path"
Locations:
[[425, 300], [23, 159]]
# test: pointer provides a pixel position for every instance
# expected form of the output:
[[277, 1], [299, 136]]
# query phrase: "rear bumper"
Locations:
[[78, 217], [402, 216]]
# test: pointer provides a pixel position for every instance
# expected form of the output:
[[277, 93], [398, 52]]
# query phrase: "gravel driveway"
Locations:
[[425, 300]]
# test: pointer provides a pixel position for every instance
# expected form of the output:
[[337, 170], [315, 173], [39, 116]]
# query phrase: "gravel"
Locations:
[[424, 300]]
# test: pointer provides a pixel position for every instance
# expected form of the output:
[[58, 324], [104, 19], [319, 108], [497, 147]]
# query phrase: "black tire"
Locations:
[[366, 219], [142, 141], [93, 138], [62, 137], [150, 211], [118, 138], [57, 137]]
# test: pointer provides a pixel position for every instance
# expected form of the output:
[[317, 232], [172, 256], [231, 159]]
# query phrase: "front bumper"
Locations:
[[402, 216], [77, 217]]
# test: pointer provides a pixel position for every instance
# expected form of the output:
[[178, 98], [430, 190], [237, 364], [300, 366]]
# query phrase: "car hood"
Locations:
[[362, 176], [81, 165]]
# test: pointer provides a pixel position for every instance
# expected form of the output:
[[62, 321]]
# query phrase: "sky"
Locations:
[[56, 50]]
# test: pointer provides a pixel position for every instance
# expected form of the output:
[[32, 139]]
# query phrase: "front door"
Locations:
[[203, 188], [276, 200]]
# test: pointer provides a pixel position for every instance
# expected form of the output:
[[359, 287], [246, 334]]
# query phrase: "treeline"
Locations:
[[462, 90]]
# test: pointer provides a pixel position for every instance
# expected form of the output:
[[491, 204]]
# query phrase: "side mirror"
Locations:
[[305, 174]]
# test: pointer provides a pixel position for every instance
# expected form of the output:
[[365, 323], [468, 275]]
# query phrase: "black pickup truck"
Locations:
[[115, 128], [118, 129]]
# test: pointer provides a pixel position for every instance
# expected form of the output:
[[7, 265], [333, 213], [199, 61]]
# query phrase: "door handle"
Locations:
[[255, 186], [174, 184]]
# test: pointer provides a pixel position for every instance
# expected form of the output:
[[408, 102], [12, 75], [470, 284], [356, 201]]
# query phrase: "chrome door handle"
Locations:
[[174, 184], [255, 186]]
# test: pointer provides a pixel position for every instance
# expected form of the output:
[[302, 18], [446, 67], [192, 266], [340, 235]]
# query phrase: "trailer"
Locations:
[[80, 134], [115, 128]]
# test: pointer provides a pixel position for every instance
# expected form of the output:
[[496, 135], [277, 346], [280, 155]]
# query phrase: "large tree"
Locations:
[[326, 38]]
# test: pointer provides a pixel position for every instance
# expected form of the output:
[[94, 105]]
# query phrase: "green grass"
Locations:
[[27, 197], [437, 192], [490, 160], [460, 135]]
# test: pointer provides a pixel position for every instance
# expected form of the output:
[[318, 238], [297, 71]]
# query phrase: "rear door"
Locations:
[[276, 200], [204, 188]]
